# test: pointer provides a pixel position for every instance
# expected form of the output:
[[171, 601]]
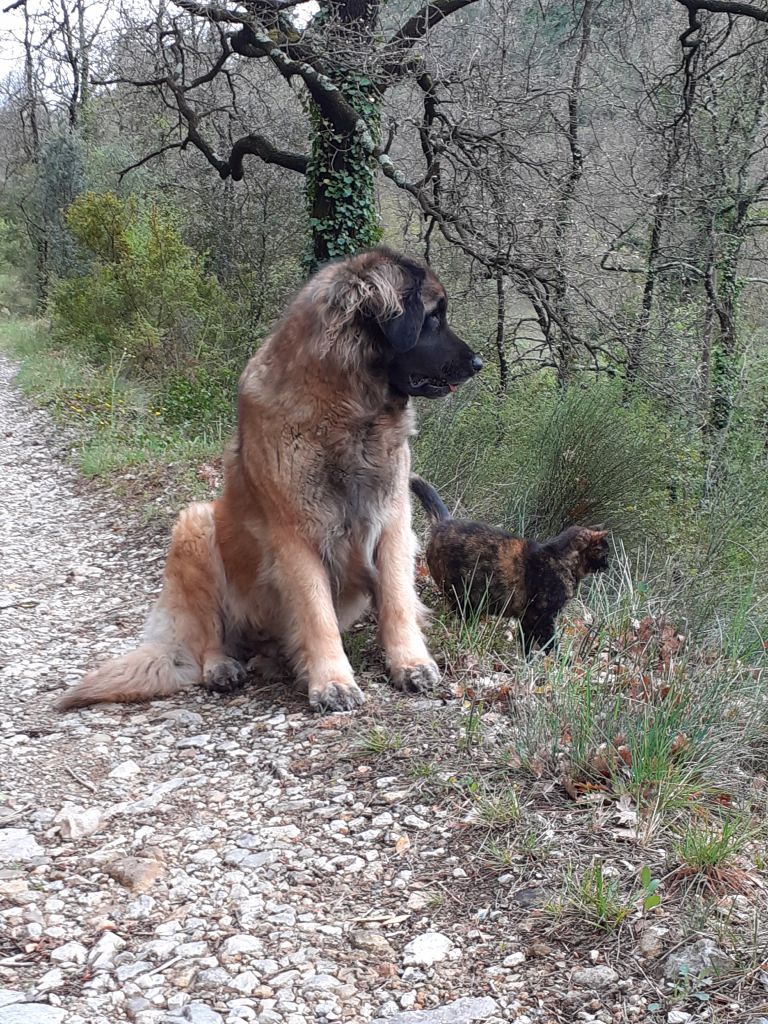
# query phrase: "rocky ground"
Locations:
[[209, 860]]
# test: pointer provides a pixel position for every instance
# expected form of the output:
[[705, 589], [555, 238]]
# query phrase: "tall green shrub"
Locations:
[[143, 292]]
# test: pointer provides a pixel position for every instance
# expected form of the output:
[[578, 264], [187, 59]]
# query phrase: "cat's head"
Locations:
[[594, 550], [584, 548]]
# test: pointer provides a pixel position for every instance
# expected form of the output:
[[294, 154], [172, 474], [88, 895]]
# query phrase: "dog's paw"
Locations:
[[416, 678], [226, 676], [336, 696]]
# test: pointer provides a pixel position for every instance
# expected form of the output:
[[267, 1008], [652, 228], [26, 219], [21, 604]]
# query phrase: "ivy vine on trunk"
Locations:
[[341, 182]]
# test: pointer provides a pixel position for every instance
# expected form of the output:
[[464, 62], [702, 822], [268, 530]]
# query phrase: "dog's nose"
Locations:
[[477, 364]]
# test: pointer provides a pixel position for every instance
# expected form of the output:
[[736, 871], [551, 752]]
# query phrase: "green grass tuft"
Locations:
[[705, 846]]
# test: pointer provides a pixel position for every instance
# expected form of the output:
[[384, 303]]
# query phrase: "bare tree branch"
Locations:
[[732, 7], [431, 14], [259, 146], [152, 156]]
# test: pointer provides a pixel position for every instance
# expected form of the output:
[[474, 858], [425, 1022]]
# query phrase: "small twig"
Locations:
[[12, 815], [79, 778], [167, 964]]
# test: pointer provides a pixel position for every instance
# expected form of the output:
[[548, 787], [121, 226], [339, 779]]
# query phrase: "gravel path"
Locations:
[[216, 860]]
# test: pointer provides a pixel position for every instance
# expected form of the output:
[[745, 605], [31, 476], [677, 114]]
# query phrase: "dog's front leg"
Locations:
[[411, 666], [314, 639]]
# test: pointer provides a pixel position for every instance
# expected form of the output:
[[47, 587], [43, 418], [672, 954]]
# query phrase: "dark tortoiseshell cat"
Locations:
[[484, 568]]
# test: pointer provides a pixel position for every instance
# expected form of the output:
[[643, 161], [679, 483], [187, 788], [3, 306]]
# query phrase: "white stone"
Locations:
[[319, 983], [265, 968], [70, 953], [201, 1013], [32, 1013], [133, 970], [199, 740], [514, 960], [17, 844], [239, 945], [104, 950], [245, 982], [427, 949], [417, 901], [75, 821], [702, 957], [412, 821], [594, 977], [125, 770], [460, 1011], [50, 981], [651, 942]]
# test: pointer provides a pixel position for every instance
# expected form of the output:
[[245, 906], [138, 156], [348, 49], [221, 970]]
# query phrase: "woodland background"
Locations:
[[589, 179]]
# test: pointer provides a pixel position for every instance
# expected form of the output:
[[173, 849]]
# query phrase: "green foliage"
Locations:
[[468, 631], [496, 809], [146, 298], [705, 846], [594, 897], [650, 887], [597, 897], [538, 460], [16, 291], [340, 181], [378, 740], [59, 179], [118, 422], [689, 730], [147, 302], [203, 393]]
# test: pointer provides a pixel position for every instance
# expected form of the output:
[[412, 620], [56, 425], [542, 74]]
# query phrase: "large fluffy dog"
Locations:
[[314, 519]]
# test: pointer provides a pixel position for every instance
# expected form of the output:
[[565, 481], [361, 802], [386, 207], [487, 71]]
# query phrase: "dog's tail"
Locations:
[[152, 670], [431, 501]]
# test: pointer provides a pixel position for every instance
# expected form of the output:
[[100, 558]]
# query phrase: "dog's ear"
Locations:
[[377, 286], [403, 329]]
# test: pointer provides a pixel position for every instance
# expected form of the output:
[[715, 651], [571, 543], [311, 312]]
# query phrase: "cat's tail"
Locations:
[[152, 670], [431, 501]]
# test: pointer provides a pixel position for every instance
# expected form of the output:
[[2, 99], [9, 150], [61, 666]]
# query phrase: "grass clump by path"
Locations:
[[118, 427]]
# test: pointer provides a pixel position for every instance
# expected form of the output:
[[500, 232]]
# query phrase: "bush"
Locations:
[[538, 460], [16, 291], [145, 293]]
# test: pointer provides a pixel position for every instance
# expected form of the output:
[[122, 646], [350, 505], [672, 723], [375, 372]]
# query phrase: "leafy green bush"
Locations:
[[16, 273], [145, 293]]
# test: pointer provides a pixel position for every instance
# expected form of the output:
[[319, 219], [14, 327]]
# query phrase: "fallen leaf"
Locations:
[[625, 812], [403, 843]]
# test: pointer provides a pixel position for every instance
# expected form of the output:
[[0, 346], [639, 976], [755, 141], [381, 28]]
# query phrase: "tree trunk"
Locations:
[[501, 346], [565, 345], [639, 342], [340, 188], [723, 296]]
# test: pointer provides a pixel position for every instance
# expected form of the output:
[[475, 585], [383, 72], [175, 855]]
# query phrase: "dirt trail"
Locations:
[[196, 859], [201, 859]]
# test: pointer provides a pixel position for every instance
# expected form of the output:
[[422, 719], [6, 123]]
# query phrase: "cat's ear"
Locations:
[[598, 534]]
